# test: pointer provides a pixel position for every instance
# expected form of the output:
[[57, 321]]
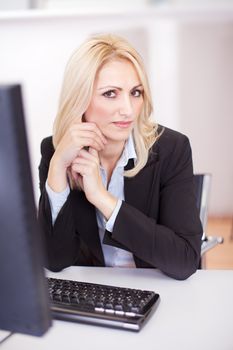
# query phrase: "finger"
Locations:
[[93, 128], [81, 169], [91, 154], [80, 181], [92, 142], [85, 138], [74, 175], [84, 161], [92, 167], [84, 157]]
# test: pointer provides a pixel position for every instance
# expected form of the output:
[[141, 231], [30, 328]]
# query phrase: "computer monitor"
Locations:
[[24, 306]]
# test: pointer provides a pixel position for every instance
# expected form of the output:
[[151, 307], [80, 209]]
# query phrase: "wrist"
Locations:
[[57, 176], [105, 203]]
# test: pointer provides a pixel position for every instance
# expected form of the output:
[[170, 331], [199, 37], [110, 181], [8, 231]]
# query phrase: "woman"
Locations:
[[116, 188]]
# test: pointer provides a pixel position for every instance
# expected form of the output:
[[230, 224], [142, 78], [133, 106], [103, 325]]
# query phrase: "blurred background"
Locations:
[[187, 46]]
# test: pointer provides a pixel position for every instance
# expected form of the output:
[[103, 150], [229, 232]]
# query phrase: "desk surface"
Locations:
[[193, 314]]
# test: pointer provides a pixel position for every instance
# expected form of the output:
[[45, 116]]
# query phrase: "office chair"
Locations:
[[202, 184]]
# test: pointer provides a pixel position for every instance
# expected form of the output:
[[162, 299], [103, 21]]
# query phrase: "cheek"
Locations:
[[99, 114], [138, 108]]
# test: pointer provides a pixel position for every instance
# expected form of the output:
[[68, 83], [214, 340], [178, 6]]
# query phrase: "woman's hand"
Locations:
[[78, 136], [86, 170]]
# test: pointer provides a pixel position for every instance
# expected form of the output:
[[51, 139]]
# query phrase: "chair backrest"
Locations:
[[202, 187]]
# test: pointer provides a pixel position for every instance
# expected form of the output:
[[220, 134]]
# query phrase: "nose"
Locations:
[[126, 108]]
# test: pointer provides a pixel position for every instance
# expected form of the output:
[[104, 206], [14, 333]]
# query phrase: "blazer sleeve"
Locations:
[[62, 249], [171, 239]]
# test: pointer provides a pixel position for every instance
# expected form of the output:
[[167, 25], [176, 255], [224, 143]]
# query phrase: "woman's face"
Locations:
[[117, 99]]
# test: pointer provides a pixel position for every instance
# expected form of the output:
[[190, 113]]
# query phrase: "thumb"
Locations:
[[93, 152]]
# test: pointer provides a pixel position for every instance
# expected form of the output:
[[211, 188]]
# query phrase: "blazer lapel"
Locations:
[[86, 225], [139, 189]]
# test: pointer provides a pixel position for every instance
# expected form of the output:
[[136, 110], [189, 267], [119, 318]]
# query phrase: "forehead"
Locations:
[[117, 71]]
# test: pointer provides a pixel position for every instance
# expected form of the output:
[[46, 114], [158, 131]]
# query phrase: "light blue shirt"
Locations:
[[113, 256]]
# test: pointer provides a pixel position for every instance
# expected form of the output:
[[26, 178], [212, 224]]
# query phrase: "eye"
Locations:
[[137, 93], [110, 94]]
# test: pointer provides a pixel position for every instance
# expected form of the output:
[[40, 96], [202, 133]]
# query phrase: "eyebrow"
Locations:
[[117, 87]]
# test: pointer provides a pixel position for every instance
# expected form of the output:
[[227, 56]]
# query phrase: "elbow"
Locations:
[[186, 263], [54, 268], [184, 268], [55, 263], [182, 275]]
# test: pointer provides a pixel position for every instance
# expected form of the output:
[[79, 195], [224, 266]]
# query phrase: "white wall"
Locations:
[[206, 103], [14, 4], [189, 64]]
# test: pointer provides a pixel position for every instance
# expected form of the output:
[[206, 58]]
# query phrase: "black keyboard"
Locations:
[[99, 304]]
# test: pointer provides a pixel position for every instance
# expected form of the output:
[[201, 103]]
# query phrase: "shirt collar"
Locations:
[[128, 152]]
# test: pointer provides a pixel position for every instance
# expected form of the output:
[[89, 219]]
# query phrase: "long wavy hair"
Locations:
[[77, 90]]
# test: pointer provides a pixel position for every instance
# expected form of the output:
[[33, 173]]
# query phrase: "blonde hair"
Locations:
[[77, 90]]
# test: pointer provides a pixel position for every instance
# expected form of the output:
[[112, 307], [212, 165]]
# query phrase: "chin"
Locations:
[[118, 135], [118, 138]]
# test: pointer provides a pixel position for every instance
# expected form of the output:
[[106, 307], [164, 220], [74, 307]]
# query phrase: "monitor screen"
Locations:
[[24, 305]]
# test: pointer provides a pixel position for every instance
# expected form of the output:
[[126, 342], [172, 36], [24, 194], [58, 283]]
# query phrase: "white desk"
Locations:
[[193, 314]]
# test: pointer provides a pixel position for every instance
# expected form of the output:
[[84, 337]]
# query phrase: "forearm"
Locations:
[[60, 239], [175, 253], [57, 176], [105, 202], [56, 200]]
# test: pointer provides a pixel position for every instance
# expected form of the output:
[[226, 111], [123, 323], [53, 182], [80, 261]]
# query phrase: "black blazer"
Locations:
[[158, 221]]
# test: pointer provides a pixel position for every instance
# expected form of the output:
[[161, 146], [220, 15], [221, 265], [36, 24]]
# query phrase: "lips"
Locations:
[[123, 124]]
